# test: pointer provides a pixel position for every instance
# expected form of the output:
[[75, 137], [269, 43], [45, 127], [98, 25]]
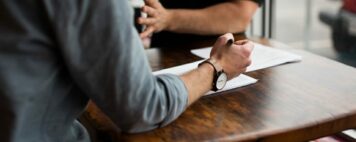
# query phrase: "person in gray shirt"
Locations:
[[55, 55]]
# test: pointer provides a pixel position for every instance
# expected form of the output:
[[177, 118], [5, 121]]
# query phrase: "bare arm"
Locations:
[[202, 76], [199, 81], [232, 16]]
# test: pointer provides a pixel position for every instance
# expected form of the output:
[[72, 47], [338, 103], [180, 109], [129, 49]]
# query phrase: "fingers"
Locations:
[[249, 62], [221, 42], [151, 12], [249, 45], [246, 64], [148, 32], [153, 3], [234, 59], [245, 46], [243, 70], [241, 42], [226, 37], [146, 21]]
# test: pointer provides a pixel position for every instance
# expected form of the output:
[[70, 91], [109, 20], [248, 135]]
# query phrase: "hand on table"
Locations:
[[157, 18], [233, 59]]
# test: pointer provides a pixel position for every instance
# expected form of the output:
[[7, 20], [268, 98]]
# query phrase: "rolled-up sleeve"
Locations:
[[103, 54]]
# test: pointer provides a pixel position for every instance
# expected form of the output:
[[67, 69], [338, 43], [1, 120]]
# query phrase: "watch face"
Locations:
[[221, 81]]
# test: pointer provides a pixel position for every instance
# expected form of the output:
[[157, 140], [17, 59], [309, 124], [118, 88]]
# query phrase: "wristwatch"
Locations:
[[220, 77]]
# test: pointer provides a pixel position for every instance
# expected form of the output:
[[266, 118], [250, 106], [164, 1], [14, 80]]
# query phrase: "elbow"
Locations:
[[139, 122], [146, 117], [161, 103]]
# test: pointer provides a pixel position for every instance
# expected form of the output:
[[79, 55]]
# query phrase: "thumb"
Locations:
[[221, 42]]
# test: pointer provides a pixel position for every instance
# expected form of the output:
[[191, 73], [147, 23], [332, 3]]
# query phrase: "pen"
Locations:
[[229, 42]]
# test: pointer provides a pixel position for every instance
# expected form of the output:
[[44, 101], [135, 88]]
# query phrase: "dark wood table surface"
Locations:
[[292, 102]]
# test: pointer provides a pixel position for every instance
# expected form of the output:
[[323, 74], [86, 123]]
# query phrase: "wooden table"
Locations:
[[292, 102]]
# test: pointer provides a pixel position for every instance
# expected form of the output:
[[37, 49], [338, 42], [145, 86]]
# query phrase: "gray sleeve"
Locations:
[[105, 57]]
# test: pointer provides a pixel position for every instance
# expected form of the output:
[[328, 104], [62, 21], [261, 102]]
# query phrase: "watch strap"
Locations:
[[217, 71]]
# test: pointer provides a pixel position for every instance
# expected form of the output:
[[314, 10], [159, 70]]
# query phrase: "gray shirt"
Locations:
[[55, 55]]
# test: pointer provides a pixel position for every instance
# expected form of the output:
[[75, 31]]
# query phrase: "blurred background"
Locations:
[[323, 27], [298, 23]]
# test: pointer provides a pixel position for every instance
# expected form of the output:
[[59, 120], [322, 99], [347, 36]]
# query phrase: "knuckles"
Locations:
[[248, 62]]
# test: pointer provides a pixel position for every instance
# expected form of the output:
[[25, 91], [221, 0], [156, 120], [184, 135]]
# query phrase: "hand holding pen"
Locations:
[[233, 57]]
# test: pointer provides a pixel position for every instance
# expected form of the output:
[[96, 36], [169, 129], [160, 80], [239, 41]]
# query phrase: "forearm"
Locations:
[[218, 19], [198, 82]]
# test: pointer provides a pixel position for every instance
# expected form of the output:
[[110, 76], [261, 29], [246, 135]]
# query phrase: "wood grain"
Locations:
[[292, 102]]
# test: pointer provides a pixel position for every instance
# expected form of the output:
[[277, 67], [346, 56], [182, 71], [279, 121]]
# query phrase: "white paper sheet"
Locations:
[[262, 56], [242, 80]]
